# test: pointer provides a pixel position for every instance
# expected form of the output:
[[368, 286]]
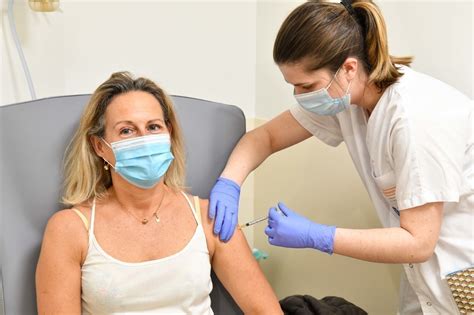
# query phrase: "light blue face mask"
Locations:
[[321, 103], [142, 161]]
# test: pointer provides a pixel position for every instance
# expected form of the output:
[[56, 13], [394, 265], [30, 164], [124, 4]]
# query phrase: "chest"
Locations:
[[380, 160], [369, 145], [128, 240]]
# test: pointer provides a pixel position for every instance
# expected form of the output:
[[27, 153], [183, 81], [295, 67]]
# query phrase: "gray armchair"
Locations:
[[33, 138]]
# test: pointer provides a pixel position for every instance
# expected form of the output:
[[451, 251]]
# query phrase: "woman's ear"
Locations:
[[170, 128], [98, 145], [349, 67]]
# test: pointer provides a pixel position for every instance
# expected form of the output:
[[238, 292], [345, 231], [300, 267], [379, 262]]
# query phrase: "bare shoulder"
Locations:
[[68, 221], [66, 232]]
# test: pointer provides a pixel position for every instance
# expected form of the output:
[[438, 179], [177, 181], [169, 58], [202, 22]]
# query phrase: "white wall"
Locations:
[[193, 48], [439, 34]]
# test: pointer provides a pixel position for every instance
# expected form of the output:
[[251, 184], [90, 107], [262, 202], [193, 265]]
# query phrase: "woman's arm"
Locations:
[[58, 273], [413, 242], [239, 271], [256, 145]]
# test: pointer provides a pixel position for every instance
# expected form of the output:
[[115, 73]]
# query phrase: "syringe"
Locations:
[[253, 222]]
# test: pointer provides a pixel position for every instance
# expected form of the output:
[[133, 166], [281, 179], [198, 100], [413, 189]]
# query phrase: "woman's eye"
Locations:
[[126, 131], [154, 127]]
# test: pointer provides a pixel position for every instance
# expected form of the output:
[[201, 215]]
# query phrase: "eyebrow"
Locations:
[[299, 84], [131, 122]]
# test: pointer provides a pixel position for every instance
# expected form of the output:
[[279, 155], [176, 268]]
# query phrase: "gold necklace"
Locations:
[[145, 220]]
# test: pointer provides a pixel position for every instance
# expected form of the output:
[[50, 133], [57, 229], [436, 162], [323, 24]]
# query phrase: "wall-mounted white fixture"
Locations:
[[44, 5]]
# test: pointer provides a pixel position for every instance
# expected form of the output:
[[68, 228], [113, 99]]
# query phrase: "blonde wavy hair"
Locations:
[[84, 174]]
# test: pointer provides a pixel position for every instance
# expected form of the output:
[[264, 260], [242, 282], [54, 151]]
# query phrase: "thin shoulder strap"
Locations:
[[91, 230], [193, 210], [197, 207], [83, 218]]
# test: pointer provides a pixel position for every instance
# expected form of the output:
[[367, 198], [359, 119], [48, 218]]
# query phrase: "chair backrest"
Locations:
[[33, 138]]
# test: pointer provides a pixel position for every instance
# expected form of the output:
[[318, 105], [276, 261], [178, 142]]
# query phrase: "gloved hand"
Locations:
[[224, 207], [289, 229]]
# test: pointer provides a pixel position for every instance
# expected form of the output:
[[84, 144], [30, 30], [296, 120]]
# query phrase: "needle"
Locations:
[[253, 222]]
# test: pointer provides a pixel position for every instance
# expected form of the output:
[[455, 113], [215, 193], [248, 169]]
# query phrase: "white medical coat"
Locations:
[[415, 148]]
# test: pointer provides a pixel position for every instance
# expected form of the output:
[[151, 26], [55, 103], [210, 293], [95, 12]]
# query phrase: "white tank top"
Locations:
[[177, 284]]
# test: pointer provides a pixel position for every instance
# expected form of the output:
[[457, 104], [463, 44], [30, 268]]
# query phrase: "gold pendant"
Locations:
[[144, 221]]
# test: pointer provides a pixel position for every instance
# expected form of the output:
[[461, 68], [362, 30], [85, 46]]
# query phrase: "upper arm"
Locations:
[[325, 128], [239, 271], [58, 273], [284, 131], [424, 224]]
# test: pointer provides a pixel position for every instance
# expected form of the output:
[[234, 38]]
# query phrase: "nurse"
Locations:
[[409, 135]]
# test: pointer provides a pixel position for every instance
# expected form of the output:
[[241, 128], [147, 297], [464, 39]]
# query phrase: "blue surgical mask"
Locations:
[[321, 103], [142, 161]]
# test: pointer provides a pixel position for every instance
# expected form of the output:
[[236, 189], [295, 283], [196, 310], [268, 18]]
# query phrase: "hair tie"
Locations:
[[347, 4]]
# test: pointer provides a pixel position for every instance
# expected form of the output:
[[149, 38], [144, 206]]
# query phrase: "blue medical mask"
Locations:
[[142, 161], [321, 103]]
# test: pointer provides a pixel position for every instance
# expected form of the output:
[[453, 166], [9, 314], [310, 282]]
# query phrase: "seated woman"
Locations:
[[134, 242]]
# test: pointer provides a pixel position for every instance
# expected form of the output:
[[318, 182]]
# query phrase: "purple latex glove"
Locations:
[[224, 207], [289, 229]]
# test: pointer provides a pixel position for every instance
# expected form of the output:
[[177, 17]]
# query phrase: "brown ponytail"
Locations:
[[323, 34]]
